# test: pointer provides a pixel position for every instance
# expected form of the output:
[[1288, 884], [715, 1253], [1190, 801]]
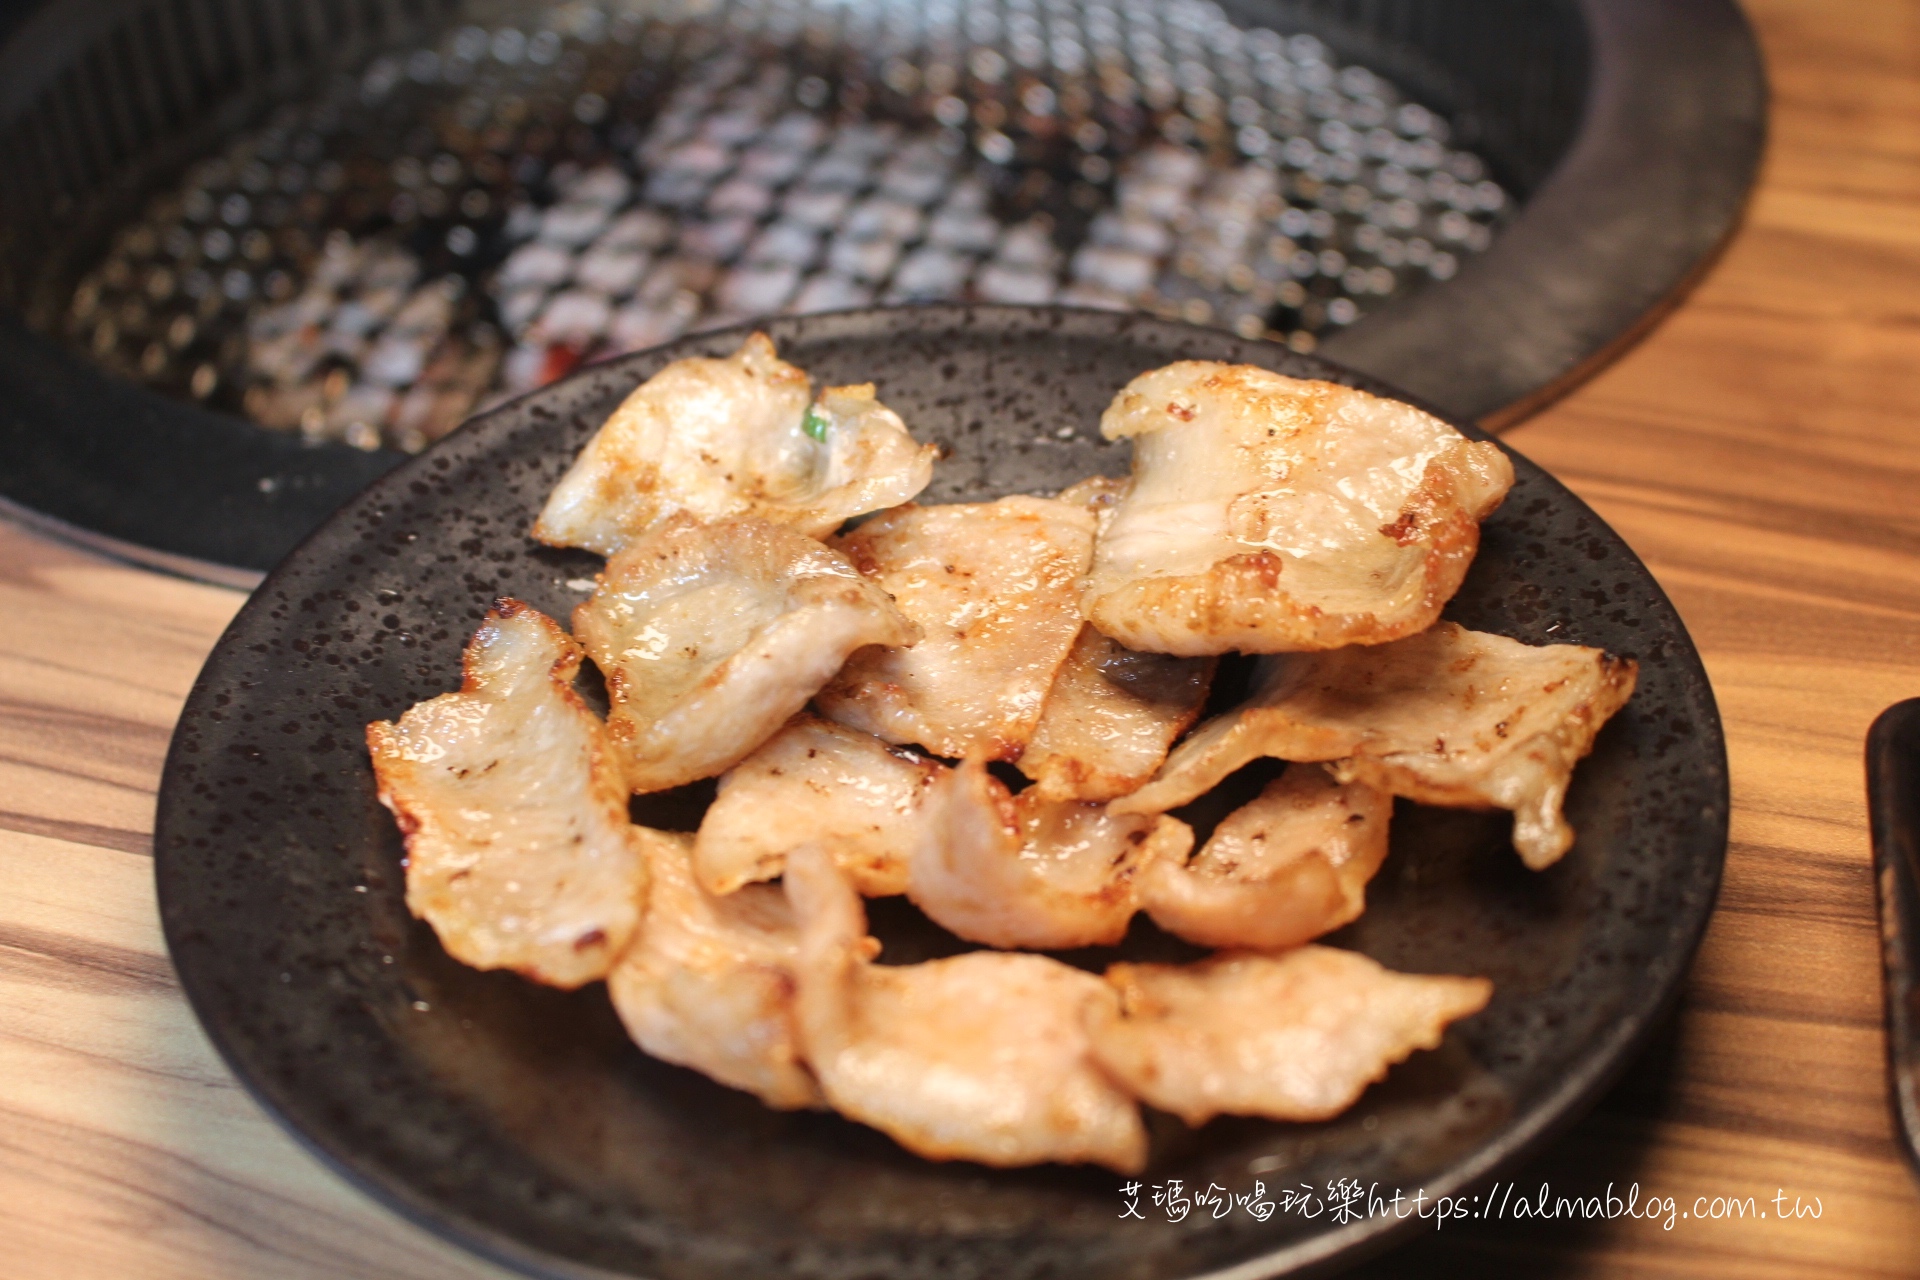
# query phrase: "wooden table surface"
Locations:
[[1761, 450]]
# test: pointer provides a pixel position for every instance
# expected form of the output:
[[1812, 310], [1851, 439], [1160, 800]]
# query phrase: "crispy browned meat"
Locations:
[[711, 635], [1297, 1035], [731, 437], [1110, 717], [1098, 494], [1268, 514], [994, 588], [708, 983], [1448, 717], [978, 1057], [823, 783], [1021, 871], [1288, 867], [519, 852]]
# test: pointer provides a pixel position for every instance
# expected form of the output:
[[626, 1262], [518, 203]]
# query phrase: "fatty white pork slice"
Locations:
[[1284, 869], [1297, 1035], [1268, 514], [981, 1057], [819, 782], [1448, 717], [1022, 871], [1110, 717], [708, 982], [994, 588], [735, 436], [514, 809], [711, 636]]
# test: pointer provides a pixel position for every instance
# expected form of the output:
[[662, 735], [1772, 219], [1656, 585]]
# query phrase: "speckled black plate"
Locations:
[[520, 1122]]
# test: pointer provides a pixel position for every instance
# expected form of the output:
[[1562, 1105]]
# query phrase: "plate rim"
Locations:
[[1594, 1068]]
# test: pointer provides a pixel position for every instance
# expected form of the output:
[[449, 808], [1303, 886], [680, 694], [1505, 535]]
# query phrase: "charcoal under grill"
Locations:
[[257, 252]]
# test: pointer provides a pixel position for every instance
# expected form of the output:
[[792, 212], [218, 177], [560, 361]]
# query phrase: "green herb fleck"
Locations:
[[815, 423]]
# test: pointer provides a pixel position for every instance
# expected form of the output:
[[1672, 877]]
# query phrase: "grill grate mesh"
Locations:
[[460, 216]]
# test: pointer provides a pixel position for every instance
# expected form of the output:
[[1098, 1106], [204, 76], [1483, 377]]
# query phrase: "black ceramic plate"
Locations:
[[520, 1122]]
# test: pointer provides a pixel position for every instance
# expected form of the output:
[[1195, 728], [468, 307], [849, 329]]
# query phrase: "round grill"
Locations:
[[455, 221], [254, 251]]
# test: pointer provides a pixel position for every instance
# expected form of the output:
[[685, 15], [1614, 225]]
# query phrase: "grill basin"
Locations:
[[1012, 152]]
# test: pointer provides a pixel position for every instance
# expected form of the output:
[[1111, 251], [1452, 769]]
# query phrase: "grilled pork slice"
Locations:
[[1448, 717], [819, 782], [1297, 1035], [1110, 717], [708, 984], [981, 1057], [1268, 514], [739, 436], [712, 635], [514, 809], [1282, 870], [1022, 871], [994, 588]]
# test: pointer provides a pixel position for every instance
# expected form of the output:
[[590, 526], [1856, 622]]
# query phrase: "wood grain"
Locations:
[[1761, 450]]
